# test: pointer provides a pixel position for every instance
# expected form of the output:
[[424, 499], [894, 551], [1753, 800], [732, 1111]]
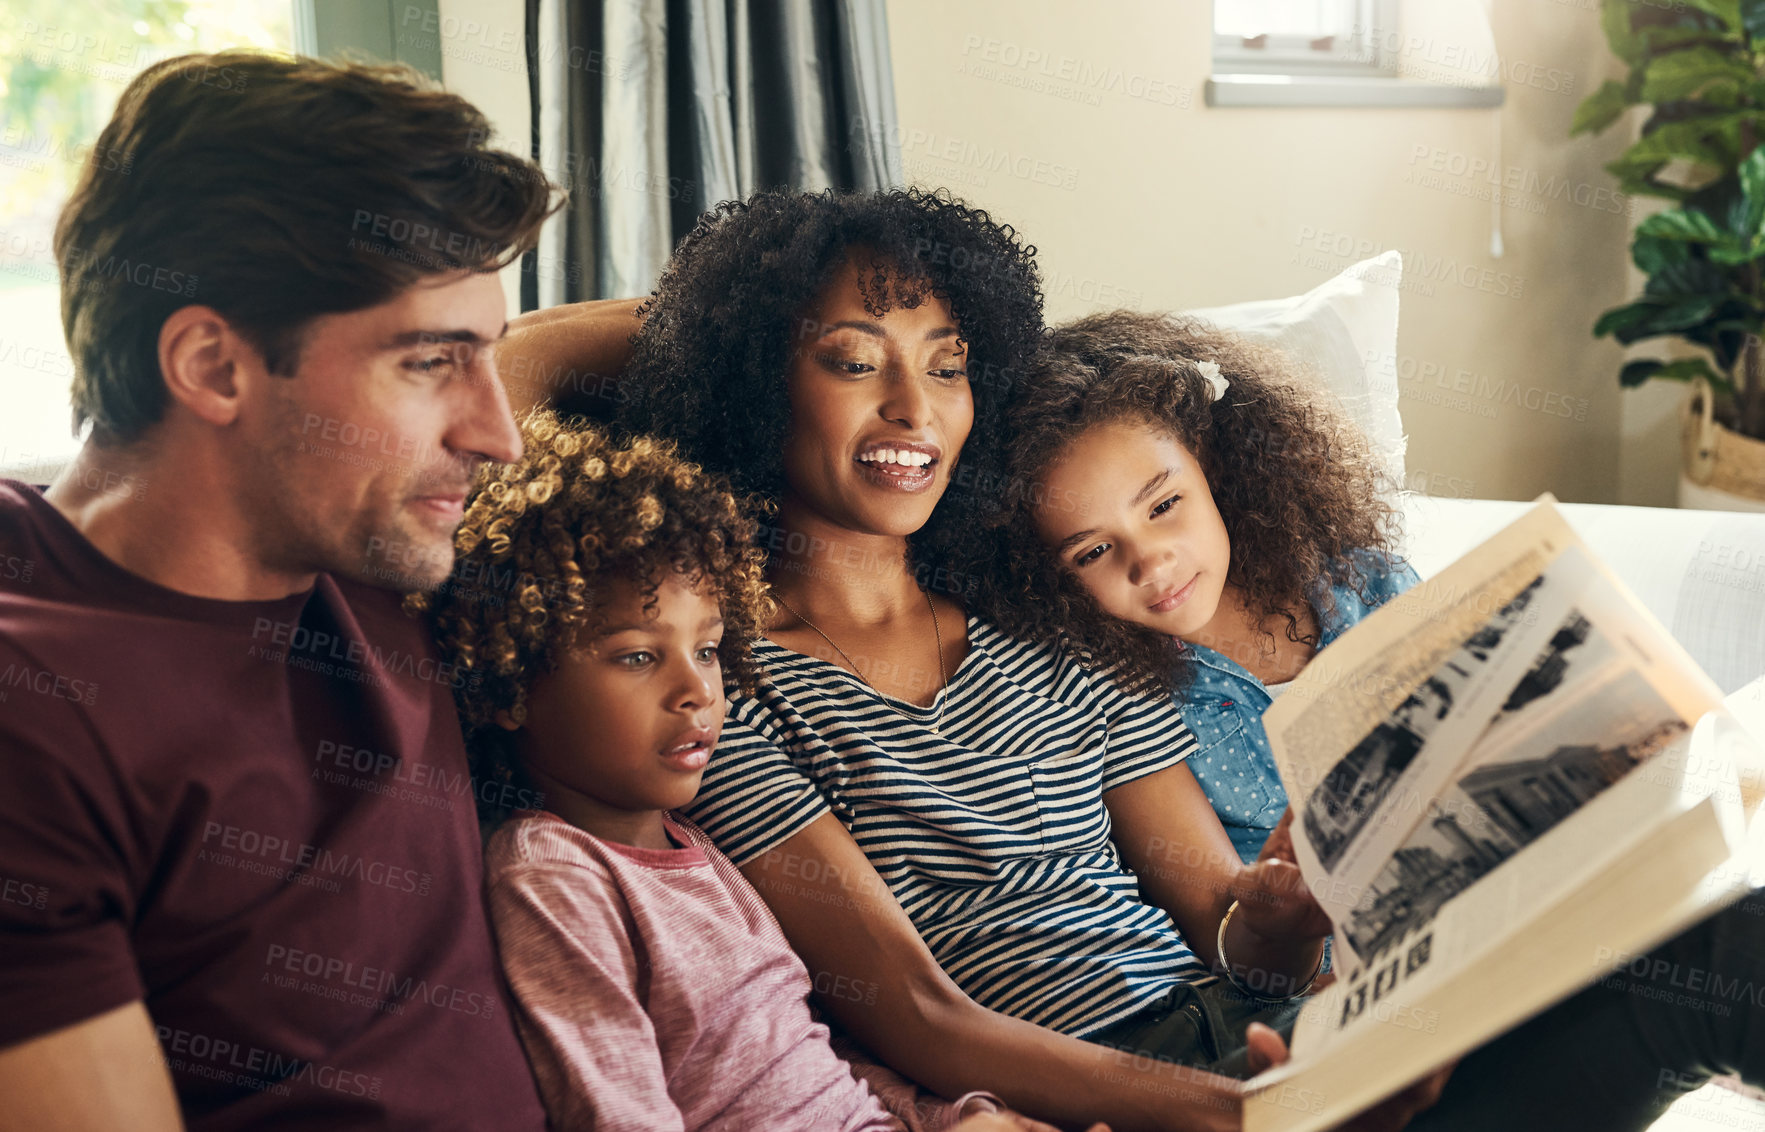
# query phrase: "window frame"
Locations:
[[380, 28], [1365, 54], [1364, 73]]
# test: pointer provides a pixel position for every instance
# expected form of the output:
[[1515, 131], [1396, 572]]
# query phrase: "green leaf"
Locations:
[[1681, 224], [1659, 40], [1682, 369], [1621, 319], [1615, 21], [1600, 109], [1752, 15], [1651, 318], [1635, 373], [1713, 140], [1733, 255], [1693, 279], [1682, 74], [1728, 11], [1652, 253], [1752, 187]]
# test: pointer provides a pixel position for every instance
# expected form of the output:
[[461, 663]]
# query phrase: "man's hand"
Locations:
[[1266, 1049]]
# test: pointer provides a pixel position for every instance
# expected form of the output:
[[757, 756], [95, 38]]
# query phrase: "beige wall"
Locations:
[[482, 60], [1139, 195], [1134, 200]]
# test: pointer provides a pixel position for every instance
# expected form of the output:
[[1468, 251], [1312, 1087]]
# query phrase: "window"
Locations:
[[1336, 53], [1337, 37], [61, 69]]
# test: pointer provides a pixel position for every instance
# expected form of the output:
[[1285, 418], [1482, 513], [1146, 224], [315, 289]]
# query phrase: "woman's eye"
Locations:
[[1091, 555], [844, 365], [949, 373], [1166, 505]]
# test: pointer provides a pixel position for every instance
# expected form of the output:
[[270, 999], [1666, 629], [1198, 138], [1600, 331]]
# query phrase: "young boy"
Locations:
[[602, 594]]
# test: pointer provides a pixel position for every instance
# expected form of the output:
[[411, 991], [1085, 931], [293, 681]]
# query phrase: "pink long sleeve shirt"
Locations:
[[655, 992]]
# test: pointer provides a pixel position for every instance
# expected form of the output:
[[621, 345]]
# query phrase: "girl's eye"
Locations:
[[950, 373], [1166, 505], [633, 659], [1091, 555]]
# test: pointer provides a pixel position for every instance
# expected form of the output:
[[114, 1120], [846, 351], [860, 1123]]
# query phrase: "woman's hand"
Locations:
[[1007, 1121], [1273, 899], [1274, 902], [1266, 1049]]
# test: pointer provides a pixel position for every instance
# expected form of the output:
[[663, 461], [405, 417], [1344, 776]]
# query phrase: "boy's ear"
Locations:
[[506, 721]]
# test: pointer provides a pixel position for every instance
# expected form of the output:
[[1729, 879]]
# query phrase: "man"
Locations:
[[238, 851]]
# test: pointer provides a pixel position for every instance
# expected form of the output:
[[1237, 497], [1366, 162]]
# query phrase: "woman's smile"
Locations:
[[899, 465]]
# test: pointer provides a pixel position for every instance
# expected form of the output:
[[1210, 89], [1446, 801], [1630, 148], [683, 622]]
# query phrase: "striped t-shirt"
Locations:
[[991, 832]]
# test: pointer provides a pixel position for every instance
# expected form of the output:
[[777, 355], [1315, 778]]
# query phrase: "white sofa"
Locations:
[[1701, 573]]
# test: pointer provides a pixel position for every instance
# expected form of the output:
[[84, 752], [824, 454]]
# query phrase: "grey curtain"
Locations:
[[648, 112]]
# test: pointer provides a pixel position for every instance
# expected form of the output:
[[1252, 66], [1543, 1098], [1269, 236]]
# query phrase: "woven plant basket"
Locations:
[[1716, 457]]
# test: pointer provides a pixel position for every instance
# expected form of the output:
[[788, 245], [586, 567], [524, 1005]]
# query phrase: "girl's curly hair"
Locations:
[[709, 365], [1298, 487], [542, 536]]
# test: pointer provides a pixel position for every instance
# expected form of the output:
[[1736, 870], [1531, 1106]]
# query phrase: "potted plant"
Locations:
[[1700, 67]]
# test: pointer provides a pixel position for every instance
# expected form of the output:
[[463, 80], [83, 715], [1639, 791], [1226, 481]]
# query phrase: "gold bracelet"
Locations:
[[1219, 945]]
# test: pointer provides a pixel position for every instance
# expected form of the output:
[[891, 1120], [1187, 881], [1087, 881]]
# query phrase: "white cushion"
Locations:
[[1345, 329]]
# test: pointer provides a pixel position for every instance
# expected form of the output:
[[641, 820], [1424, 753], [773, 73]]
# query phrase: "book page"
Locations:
[[1520, 698], [1677, 837]]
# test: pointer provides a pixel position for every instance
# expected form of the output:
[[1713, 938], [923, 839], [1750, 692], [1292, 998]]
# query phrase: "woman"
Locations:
[[844, 358]]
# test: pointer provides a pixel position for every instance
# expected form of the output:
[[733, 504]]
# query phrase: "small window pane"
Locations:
[[62, 67], [1308, 19]]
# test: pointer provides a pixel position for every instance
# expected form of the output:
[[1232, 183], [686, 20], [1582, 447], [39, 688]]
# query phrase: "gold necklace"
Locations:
[[937, 635]]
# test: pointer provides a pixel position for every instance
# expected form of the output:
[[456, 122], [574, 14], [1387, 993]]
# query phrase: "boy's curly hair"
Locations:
[[710, 363], [541, 536], [1297, 486]]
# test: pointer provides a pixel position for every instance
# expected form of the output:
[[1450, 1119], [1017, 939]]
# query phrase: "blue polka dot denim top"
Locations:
[[1223, 705]]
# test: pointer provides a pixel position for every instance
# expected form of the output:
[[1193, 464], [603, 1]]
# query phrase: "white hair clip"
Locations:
[[1216, 381]]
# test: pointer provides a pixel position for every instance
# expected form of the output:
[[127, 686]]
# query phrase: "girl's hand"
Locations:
[[1266, 1049]]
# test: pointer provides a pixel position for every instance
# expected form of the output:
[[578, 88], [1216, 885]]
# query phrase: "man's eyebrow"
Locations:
[[434, 337], [1151, 485]]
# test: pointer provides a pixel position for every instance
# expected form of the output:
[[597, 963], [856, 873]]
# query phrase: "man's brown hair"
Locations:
[[274, 189]]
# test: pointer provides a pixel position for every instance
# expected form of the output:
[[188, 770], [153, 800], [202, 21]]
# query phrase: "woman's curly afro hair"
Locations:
[[543, 537], [709, 365], [1298, 487]]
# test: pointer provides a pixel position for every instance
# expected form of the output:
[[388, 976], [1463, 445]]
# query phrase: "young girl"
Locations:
[[1198, 524], [602, 594]]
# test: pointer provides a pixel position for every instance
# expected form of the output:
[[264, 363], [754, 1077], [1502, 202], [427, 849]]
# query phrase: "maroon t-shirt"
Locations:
[[254, 816]]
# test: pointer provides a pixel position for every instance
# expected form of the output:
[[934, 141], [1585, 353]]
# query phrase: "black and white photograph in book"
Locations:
[[1524, 778], [1352, 790]]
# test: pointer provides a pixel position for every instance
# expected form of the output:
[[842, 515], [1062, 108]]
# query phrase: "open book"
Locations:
[[1507, 783]]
